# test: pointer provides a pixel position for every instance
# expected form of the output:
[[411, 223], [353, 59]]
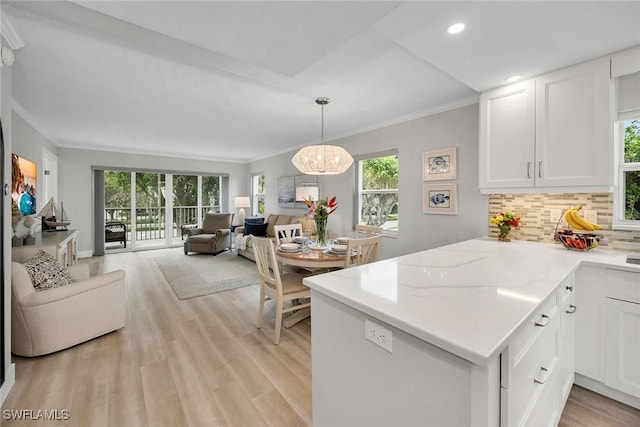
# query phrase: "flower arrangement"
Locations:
[[504, 221], [320, 211]]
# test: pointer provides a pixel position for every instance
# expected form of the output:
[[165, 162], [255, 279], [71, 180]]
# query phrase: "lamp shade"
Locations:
[[322, 160], [307, 193], [241, 202]]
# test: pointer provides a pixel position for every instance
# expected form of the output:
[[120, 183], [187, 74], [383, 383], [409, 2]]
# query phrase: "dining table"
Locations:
[[312, 259], [317, 261]]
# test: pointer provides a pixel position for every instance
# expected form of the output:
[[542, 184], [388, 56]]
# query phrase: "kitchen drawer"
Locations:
[[526, 374], [533, 327], [546, 411], [623, 285]]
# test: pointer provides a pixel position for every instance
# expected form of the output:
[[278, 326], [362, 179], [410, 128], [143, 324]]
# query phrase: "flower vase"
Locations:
[[503, 234], [321, 231]]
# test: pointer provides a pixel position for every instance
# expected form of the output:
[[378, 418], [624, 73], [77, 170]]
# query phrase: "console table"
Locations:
[[60, 244]]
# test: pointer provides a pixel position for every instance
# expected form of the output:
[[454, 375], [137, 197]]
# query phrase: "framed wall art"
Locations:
[[440, 164], [440, 199], [286, 192], [23, 184]]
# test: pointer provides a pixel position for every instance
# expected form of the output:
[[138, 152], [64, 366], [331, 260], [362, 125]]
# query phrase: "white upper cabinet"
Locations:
[[507, 136], [550, 134]]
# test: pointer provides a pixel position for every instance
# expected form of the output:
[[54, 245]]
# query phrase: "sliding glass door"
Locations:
[[156, 208]]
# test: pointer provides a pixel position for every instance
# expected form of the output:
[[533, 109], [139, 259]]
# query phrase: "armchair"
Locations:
[[213, 237], [54, 319]]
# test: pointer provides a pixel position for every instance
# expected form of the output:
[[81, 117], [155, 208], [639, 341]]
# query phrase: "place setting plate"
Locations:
[[337, 250], [289, 248]]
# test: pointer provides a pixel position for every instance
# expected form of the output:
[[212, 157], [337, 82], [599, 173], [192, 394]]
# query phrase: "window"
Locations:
[[377, 184], [629, 176], [257, 192], [157, 207]]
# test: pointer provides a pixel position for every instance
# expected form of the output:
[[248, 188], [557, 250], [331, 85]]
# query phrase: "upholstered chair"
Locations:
[[54, 319], [213, 237]]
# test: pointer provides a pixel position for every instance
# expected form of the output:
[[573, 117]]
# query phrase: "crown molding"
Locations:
[[394, 121], [33, 122], [408, 117], [9, 33], [141, 152]]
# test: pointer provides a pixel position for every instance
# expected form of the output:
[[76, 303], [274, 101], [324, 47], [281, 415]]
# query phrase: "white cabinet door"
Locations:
[[553, 133], [574, 129], [623, 346], [566, 363], [589, 322], [507, 123]]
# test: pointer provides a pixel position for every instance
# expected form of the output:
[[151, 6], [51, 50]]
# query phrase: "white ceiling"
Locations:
[[236, 81]]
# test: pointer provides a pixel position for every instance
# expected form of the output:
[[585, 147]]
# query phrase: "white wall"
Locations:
[[455, 128], [76, 181], [29, 143]]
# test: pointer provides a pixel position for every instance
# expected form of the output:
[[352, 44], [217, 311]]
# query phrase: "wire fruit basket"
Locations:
[[576, 241]]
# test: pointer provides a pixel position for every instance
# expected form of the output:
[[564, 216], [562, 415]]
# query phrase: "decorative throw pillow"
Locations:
[[46, 272], [259, 230], [253, 221]]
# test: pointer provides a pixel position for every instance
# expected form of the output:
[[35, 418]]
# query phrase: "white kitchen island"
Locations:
[[480, 333]]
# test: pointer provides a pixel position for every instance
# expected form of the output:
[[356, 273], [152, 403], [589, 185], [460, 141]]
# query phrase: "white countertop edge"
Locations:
[[600, 258], [477, 358]]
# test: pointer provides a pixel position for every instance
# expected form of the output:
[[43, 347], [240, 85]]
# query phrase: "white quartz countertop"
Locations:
[[468, 298]]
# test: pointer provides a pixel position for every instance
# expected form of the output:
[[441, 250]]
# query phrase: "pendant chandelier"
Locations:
[[322, 159]]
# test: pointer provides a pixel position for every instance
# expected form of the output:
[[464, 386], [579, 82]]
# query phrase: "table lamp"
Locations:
[[241, 203]]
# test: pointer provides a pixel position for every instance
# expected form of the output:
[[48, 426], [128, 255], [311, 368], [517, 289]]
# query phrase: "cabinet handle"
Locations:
[[528, 170], [540, 169], [543, 322], [543, 372], [572, 309], [569, 288]]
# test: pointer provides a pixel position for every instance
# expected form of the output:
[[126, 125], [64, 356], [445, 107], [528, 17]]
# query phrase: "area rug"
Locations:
[[196, 275]]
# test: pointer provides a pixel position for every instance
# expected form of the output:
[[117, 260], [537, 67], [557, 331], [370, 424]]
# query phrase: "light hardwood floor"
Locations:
[[197, 362]]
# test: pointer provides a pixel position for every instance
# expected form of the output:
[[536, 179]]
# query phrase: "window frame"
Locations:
[[359, 192], [255, 178], [619, 194]]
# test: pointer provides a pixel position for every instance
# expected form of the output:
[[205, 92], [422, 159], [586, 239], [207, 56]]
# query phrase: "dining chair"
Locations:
[[368, 230], [286, 233], [362, 251], [281, 288]]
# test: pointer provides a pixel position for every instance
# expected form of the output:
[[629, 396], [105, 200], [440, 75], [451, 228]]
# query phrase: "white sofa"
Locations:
[[54, 319], [272, 220]]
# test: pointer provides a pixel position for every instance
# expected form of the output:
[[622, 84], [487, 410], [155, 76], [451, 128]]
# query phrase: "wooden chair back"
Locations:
[[281, 288], [362, 251], [286, 233], [368, 230], [268, 267]]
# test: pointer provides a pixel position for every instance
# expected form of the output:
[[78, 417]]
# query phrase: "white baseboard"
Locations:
[[605, 390], [10, 379], [84, 254]]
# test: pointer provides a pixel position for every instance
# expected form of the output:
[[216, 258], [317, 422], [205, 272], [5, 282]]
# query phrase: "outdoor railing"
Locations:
[[150, 221]]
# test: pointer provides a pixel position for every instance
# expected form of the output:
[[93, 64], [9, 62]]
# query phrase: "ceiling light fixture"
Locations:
[[512, 79], [455, 28], [322, 159]]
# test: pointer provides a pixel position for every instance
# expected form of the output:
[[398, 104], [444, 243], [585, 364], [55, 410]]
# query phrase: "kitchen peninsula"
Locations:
[[475, 333]]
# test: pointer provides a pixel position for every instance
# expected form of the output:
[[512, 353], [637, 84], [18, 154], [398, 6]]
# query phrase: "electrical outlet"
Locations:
[[590, 215], [378, 334], [554, 215]]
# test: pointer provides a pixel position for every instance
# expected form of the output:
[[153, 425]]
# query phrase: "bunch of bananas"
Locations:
[[575, 221]]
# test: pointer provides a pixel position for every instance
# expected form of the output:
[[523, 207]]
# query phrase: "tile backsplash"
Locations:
[[535, 210]]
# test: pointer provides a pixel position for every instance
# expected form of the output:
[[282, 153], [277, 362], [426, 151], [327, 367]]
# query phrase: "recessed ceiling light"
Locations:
[[512, 79], [455, 28]]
